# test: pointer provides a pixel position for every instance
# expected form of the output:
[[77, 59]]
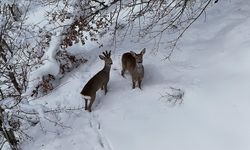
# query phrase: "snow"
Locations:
[[211, 65]]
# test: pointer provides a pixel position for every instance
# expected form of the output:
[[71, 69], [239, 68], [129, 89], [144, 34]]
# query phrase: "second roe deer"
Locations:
[[98, 81], [133, 63]]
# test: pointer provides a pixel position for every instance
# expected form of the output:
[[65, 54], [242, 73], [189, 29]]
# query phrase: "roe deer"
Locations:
[[99, 81], [133, 63]]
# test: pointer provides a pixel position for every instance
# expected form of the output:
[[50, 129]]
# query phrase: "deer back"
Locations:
[[133, 63], [101, 78], [128, 61]]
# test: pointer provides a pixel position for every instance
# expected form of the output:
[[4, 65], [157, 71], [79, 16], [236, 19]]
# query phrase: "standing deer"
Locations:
[[99, 81], [133, 63]]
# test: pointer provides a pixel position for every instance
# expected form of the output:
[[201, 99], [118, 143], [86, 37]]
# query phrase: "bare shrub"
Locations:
[[173, 96], [44, 86], [68, 61]]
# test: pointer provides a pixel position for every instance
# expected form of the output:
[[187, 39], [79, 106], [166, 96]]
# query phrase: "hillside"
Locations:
[[210, 64]]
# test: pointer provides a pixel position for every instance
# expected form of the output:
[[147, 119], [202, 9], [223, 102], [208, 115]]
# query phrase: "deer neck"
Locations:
[[106, 68], [139, 67]]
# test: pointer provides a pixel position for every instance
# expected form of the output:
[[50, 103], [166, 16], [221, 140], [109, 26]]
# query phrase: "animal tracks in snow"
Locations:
[[95, 124]]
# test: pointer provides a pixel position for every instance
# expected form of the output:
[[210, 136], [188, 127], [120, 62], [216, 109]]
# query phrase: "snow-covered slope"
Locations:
[[211, 64]]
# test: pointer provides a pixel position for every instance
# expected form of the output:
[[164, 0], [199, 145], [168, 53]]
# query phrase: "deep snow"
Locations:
[[211, 64]]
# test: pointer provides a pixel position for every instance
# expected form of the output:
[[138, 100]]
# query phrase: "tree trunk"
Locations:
[[14, 82], [8, 133], [1, 93]]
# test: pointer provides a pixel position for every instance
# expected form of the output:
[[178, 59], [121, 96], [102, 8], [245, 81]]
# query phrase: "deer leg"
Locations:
[[122, 72], [91, 102], [139, 83], [133, 84], [86, 104], [105, 89]]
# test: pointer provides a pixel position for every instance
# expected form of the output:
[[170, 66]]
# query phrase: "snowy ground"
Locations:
[[211, 64]]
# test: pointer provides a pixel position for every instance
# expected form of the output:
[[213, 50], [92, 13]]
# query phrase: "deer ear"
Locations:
[[101, 57], [143, 51], [133, 53]]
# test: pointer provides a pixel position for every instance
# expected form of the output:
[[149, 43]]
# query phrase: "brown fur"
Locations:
[[98, 81], [133, 63]]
